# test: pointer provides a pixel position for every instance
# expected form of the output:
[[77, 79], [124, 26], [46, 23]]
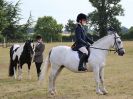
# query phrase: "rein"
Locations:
[[115, 43], [102, 49]]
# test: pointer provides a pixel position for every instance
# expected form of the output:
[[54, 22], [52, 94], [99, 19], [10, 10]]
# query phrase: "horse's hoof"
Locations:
[[105, 92], [100, 92], [52, 93], [55, 91], [19, 78]]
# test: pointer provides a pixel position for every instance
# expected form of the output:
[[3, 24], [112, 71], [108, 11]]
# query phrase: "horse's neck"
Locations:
[[104, 43]]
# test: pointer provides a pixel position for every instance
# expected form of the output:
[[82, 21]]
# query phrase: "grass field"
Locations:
[[118, 79]]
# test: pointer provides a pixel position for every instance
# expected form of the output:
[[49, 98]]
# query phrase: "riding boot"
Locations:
[[82, 60]]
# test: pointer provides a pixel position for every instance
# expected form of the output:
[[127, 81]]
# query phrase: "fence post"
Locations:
[[4, 45]]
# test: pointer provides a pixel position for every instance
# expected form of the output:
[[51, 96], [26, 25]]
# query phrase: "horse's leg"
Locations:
[[96, 71], [54, 72], [19, 72], [103, 89], [14, 69], [56, 75], [29, 76]]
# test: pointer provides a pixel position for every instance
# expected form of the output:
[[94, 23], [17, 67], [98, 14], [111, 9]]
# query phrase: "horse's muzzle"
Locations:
[[121, 52]]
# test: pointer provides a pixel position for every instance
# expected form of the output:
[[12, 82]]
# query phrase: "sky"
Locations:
[[62, 10]]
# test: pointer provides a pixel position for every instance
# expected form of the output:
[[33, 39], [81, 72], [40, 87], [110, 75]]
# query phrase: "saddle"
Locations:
[[74, 48]]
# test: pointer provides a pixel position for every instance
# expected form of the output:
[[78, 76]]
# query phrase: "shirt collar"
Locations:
[[79, 24]]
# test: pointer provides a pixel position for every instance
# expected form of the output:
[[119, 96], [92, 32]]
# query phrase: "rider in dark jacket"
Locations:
[[82, 40]]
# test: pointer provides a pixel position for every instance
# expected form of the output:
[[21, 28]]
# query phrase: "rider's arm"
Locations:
[[78, 32], [89, 40]]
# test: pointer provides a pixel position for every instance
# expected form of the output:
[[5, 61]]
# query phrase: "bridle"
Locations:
[[117, 49], [115, 46]]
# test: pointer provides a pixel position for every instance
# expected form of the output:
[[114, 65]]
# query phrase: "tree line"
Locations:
[[10, 16], [100, 19]]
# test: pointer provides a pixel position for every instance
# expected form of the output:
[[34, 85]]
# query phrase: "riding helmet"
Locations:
[[81, 16]]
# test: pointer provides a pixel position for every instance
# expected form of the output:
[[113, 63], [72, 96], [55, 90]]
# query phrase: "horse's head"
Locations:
[[118, 44], [29, 45]]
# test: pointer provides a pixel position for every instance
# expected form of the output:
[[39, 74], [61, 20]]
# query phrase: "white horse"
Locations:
[[64, 56]]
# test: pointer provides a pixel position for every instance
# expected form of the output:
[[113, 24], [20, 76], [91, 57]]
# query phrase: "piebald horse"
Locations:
[[63, 56], [20, 55]]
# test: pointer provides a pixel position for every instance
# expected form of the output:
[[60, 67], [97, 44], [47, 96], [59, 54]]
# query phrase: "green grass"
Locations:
[[118, 79]]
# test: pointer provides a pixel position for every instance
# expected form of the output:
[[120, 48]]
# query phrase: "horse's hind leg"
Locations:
[[29, 76], [55, 70], [14, 69], [58, 72], [19, 72]]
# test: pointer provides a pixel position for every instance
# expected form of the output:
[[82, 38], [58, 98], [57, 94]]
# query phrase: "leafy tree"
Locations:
[[9, 21], [70, 27], [105, 15], [123, 31], [11, 18], [128, 35], [48, 28], [24, 29], [130, 32], [3, 22], [1, 38]]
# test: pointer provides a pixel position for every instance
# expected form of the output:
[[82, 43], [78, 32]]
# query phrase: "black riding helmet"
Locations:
[[81, 16]]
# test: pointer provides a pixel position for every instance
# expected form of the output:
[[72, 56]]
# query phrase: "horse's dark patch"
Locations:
[[16, 49]]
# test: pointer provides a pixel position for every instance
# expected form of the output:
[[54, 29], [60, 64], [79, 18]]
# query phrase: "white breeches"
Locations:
[[84, 50]]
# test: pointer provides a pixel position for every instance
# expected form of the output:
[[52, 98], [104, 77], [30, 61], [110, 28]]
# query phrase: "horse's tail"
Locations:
[[45, 68], [11, 66]]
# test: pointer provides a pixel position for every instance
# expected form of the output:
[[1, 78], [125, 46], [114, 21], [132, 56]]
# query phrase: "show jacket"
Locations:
[[39, 52], [81, 38]]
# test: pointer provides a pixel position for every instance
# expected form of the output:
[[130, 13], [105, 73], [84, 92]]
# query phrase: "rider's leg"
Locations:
[[82, 59]]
